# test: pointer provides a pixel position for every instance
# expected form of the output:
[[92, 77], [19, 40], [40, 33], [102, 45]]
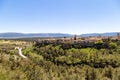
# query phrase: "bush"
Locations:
[[112, 45]]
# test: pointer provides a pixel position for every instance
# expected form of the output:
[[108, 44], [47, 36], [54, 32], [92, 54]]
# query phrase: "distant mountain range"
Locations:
[[102, 34], [23, 35]]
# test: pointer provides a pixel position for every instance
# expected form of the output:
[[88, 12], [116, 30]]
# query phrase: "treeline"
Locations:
[[100, 44], [87, 56]]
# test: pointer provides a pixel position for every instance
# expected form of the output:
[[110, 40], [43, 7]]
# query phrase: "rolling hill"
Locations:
[[23, 35]]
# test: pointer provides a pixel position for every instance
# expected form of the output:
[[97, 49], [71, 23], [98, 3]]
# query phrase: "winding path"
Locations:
[[20, 52]]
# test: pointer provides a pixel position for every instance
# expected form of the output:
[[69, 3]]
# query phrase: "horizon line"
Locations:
[[57, 33]]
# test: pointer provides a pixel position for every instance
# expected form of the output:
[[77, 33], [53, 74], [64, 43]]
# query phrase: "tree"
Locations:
[[75, 37], [99, 44], [112, 45]]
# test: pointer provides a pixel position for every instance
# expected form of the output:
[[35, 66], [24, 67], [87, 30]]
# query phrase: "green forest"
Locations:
[[99, 60]]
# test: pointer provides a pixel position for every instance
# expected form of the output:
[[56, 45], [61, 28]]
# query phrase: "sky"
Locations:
[[60, 16]]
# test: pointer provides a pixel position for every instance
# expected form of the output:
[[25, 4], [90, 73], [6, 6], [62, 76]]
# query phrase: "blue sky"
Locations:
[[60, 16]]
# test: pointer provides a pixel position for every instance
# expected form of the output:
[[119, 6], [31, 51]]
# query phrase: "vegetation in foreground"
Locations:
[[66, 61]]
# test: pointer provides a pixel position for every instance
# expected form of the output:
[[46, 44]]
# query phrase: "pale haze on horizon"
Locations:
[[60, 16]]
